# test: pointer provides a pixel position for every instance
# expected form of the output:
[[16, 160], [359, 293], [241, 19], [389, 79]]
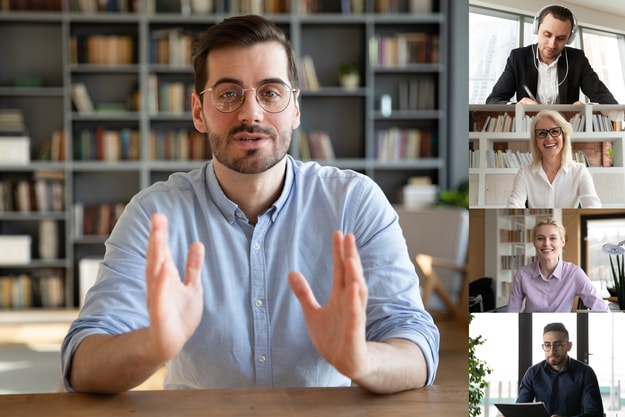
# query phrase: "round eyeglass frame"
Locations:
[[553, 346], [244, 95], [554, 132]]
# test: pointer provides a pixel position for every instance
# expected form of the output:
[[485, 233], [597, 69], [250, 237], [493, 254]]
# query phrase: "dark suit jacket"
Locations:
[[521, 69]]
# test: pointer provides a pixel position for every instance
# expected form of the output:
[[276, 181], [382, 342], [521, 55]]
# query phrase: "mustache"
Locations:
[[250, 129]]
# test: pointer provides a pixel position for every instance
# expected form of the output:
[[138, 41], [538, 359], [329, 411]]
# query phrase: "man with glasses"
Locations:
[[567, 386], [256, 269]]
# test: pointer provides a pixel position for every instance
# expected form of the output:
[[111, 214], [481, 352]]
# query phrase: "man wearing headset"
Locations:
[[549, 72]]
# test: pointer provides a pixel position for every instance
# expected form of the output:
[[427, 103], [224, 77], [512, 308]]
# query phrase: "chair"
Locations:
[[437, 240], [431, 283]]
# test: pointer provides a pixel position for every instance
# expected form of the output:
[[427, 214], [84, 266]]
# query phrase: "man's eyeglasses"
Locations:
[[273, 97], [554, 132], [555, 345]]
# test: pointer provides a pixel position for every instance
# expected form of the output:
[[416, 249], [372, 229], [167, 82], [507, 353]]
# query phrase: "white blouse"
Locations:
[[572, 186]]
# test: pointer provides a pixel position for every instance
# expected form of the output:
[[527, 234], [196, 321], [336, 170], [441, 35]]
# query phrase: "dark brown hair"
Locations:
[[556, 327], [559, 12], [240, 31]]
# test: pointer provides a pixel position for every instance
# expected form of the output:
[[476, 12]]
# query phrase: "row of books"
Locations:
[[96, 219], [100, 144], [523, 212], [107, 6], [168, 96], [403, 49], [53, 149], [507, 123], [594, 154], [504, 158], [33, 5], [102, 49], [515, 236], [12, 122], [43, 193], [45, 289], [179, 145], [307, 74], [515, 159], [230, 6], [315, 144], [257, 6], [398, 144], [417, 93], [512, 262], [601, 123], [172, 47]]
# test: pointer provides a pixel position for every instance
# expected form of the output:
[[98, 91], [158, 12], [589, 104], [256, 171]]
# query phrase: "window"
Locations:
[[596, 231], [491, 37], [605, 53]]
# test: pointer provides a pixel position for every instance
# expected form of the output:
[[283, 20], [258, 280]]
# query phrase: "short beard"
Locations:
[[250, 163]]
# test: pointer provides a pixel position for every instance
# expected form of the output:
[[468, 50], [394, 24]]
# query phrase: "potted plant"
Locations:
[[618, 271], [478, 369], [349, 75]]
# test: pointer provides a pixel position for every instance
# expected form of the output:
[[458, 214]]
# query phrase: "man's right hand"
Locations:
[[527, 100], [175, 306], [107, 363]]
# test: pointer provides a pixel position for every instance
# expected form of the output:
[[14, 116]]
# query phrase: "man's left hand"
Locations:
[[337, 329]]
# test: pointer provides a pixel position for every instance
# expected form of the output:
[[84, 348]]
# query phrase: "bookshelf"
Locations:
[[491, 181], [509, 245], [139, 129]]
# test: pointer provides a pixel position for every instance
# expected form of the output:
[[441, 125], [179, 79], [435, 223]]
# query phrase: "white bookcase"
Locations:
[[490, 187], [509, 246]]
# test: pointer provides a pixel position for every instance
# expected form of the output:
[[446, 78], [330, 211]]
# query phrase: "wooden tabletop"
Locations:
[[447, 401]]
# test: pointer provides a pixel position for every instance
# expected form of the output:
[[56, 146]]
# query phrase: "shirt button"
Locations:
[[262, 359], [256, 246], [240, 215], [259, 303]]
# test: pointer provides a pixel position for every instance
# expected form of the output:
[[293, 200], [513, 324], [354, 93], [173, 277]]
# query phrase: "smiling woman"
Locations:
[[552, 179], [550, 284]]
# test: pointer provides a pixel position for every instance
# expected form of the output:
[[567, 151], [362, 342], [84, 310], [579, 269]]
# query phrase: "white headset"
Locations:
[[573, 29]]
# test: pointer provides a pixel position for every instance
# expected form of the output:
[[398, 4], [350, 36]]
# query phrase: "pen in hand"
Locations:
[[529, 93]]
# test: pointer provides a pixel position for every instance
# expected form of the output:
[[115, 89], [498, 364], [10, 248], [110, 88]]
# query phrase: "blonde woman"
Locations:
[[549, 284], [553, 179]]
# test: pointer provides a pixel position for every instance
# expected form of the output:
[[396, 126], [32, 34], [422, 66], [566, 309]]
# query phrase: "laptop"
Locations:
[[536, 409]]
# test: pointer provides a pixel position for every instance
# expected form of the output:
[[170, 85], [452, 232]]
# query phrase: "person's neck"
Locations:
[[548, 266], [551, 166], [253, 193]]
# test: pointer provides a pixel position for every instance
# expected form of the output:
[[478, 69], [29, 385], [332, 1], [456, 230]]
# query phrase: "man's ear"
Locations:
[[197, 112], [297, 114]]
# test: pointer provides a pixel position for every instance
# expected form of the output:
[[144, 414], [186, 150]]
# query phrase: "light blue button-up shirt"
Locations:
[[252, 332]]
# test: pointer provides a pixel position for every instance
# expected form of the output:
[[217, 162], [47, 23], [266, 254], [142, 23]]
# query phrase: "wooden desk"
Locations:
[[444, 401]]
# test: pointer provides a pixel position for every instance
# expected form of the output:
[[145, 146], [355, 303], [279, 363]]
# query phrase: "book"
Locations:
[[592, 151], [81, 98], [310, 74]]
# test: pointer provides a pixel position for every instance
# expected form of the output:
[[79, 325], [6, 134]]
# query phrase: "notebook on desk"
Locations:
[[523, 409]]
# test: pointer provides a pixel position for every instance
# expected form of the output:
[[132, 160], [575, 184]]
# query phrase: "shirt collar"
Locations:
[[557, 272], [548, 367], [555, 61], [229, 209]]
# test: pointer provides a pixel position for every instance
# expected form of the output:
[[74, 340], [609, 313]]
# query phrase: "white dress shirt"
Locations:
[[571, 187]]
